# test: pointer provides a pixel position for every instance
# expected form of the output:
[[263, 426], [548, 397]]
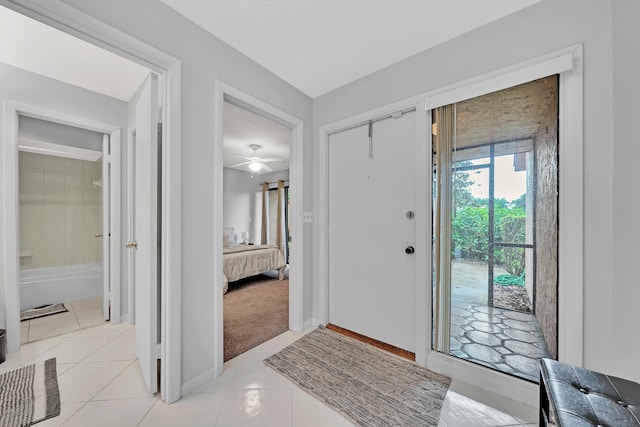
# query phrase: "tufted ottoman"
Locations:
[[572, 396]]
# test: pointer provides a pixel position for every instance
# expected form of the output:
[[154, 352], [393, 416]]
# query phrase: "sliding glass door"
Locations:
[[495, 228]]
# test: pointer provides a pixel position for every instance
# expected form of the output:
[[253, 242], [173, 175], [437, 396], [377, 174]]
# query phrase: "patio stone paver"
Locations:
[[498, 338]]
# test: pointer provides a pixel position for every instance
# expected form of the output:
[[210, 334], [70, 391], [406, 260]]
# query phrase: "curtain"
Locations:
[[263, 229], [280, 217], [443, 145]]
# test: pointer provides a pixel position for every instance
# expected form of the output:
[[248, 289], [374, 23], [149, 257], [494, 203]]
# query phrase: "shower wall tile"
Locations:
[[53, 164], [60, 209], [54, 179], [73, 258], [73, 227]]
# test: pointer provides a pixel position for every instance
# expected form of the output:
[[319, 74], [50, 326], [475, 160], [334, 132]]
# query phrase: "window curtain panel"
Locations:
[[444, 144], [264, 227], [280, 216]]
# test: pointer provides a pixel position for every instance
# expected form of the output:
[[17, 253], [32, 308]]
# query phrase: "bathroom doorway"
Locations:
[[64, 228]]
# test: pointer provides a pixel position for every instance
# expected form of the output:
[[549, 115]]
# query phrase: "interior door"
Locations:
[[144, 241], [372, 230], [105, 234]]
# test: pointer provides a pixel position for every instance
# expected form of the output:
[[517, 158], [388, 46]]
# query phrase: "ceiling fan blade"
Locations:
[[240, 164], [240, 155], [266, 168], [271, 159]]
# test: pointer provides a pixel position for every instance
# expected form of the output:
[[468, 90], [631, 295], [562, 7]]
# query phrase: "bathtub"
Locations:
[[52, 285]]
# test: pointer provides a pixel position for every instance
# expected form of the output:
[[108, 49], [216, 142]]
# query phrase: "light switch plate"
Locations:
[[307, 217]]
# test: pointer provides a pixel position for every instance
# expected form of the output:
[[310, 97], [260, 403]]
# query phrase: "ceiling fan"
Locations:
[[256, 163]]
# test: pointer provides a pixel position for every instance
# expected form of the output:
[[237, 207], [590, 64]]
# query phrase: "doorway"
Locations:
[[495, 224], [294, 126], [68, 20], [64, 197], [256, 240]]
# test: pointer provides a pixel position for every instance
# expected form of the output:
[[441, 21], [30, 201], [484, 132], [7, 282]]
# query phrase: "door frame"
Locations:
[[64, 17], [11, 225], [224, 92], [421, 211]]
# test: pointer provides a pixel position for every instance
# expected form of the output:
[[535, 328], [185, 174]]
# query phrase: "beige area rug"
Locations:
[[29, 394], [255, 310], [368, 386]]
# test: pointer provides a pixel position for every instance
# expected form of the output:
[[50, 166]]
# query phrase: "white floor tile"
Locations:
[[121, 413], [197, 409], [66, 411], [83, 381], [310, 412], [263, 407], [74, 350], [127, 385], [30, 351], [462, 411], [119, 348]]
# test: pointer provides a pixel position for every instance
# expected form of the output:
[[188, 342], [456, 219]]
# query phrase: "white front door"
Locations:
[[372, 285], [145, 233]]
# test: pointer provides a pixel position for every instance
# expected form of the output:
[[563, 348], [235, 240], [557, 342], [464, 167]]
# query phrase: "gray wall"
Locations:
[[610, 287], [204, 59], [624, 284], [28, 88], [56, 133]]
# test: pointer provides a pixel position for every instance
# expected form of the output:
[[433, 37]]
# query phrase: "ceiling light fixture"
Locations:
[[255, 166]]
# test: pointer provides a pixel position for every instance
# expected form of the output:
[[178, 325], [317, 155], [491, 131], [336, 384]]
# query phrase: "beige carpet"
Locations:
[[255, 310], [368, 386]]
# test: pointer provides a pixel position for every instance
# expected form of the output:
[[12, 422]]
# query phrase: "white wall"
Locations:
[[57, 133], [239, 202], [542, 28], [243, 200], [28, 88], [625, 284], [204, 59]]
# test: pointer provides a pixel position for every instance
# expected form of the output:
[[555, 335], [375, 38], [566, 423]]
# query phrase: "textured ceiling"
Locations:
[[242, 128], [318, 46]]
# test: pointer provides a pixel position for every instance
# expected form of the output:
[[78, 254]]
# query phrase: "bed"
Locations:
[[241, 261]]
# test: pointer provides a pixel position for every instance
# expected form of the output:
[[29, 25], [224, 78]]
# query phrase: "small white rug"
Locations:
[[29, 394], [46, 310]]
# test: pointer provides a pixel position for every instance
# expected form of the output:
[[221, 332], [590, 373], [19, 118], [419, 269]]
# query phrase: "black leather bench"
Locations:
[[572, 396]]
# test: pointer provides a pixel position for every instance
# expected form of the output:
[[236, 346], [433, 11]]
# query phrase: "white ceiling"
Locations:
[[318, 46], [33, 46], [242, 128]]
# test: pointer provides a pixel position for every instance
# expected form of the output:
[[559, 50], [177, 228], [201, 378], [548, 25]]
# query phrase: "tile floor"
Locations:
[[81, 314], [100, 384]]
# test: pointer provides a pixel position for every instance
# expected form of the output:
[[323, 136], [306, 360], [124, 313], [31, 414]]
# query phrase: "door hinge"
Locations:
[[159, 351]]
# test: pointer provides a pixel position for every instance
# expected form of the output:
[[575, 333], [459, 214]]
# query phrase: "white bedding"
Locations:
[[240, 261]]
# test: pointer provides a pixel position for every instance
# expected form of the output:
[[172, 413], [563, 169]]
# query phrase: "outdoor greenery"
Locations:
[[470, 226]]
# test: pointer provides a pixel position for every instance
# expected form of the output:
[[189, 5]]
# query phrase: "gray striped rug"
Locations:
[[29, 394], [367, 386]]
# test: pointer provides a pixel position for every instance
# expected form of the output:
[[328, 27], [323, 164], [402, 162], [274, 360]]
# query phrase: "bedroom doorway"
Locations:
[[256, 233]]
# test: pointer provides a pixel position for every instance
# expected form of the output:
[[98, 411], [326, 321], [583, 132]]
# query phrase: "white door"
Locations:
[[105, 234], [371, 192], [144, 241]]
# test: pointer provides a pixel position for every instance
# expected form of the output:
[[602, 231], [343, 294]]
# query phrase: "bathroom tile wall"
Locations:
[[60, 211]]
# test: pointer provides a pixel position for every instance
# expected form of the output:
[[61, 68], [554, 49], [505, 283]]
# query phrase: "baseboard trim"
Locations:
[[198, 381]]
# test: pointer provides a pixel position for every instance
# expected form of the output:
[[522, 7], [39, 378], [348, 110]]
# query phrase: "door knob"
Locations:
[[409, 250], [133, 244], [98, 235]]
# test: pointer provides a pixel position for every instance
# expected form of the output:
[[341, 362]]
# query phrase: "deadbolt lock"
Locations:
[[133, 244]]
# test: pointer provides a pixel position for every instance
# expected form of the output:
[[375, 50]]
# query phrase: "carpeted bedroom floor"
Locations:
[[255, 310]]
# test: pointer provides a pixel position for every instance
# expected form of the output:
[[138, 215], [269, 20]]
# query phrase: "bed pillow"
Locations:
[[228, 237]]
